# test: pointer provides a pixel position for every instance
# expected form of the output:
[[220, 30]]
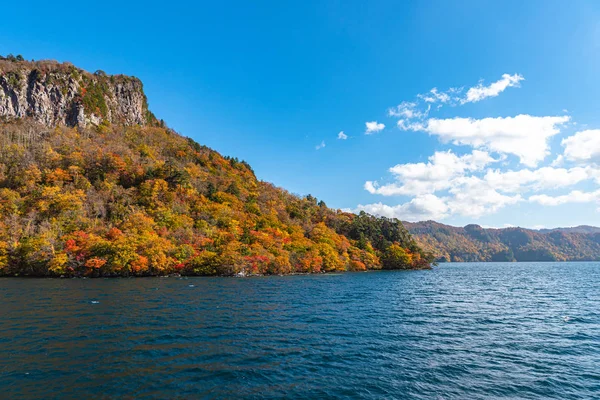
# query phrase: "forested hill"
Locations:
[[91, 184], [474, 243]]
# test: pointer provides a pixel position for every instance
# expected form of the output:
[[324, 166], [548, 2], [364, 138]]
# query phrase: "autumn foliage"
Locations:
[[474, 243], [138, 201]]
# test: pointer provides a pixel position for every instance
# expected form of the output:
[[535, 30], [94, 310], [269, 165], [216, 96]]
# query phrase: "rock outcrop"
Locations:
[[61, 94]]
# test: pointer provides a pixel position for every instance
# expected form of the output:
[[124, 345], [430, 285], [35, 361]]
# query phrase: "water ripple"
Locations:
[[477, 331]]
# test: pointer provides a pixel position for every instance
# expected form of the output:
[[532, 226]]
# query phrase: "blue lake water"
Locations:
[[472, 330]]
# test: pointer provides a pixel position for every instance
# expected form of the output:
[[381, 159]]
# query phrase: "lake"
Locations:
[[464, 330]]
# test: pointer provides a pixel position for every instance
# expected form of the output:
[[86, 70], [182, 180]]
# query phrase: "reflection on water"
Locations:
[[529, 330]]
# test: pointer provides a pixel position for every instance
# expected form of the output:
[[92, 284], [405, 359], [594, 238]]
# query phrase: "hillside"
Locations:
[[92, 185], [474, 243]]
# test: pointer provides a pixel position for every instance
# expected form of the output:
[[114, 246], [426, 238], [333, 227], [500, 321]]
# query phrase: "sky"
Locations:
[[463, 112]]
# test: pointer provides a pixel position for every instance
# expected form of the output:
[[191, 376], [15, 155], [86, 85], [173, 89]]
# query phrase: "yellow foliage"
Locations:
[[58, 264], [3, 255], [144, 200]]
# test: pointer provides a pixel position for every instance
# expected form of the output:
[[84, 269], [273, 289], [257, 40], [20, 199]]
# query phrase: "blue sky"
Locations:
[[269, 82]]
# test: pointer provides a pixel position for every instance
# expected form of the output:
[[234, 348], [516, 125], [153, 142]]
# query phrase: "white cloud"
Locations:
[[373, 127], [405, 109], [442, 165], [418, 209], [342, 135], [525, 136], [433, 96], [471, 198], [320, 145], [582, 146], [406, 125], [481, 92], [408, 110], [414, 112], [539, 179], [466, 188], [576, 196], [448, 184], [445, 171], [474, 197], [437, 174], [560, 159]]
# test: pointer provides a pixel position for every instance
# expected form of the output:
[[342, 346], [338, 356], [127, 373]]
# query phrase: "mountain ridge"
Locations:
[[474, 243], [574, 229]]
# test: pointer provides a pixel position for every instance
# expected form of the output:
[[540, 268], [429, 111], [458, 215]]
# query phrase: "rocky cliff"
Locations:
[[61, 94]]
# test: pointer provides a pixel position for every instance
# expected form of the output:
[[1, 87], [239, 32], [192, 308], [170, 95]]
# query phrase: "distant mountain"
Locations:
[[574, 229], [474, 243]]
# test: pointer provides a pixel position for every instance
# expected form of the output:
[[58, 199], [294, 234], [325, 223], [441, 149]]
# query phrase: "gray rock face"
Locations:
[[60, 94]]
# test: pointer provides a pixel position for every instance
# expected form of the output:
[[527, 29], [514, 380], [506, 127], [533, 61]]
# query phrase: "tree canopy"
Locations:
[[116, 200]]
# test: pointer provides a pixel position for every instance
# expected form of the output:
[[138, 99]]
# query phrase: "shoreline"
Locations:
[[208, 276]]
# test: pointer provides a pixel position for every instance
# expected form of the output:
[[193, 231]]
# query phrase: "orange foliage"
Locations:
[[116, 200], [95, 263]]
